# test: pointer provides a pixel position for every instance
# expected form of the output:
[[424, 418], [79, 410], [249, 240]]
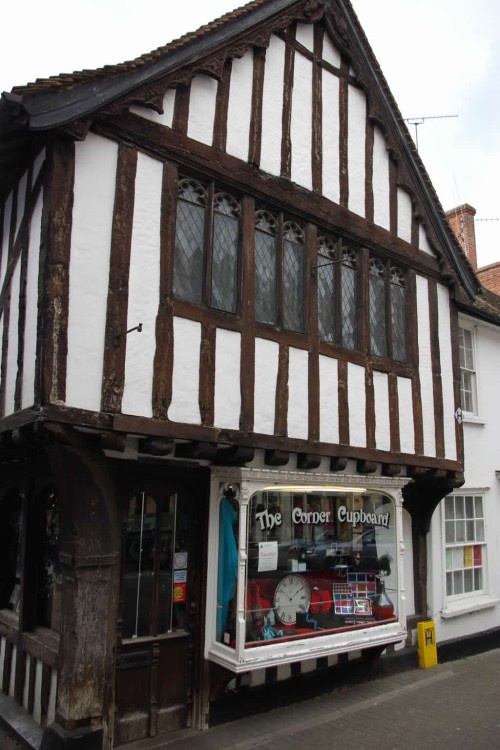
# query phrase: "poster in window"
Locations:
[[268, 556], [468, 557]]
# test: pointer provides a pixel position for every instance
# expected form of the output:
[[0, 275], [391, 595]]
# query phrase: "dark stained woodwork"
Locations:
[[156, 447], [197, 450], [234, 456], [369, 141], [54, 264], [312, 335], [317, 109], [112, 441], [276, 458], [393, 197], [362, 295], [181, 109], [164, 330], [113, 375], [437, 385], [281, 409], [5, 349], [306, 461], [247, 368], [391, 470], [255, 141], [366, 467], [207, 374], [459, 433], [343, 404], [24, 244], [164, 143], [394, 425], [343, 134], [370, 408], [286, 143], [221, 107], [338, 463]]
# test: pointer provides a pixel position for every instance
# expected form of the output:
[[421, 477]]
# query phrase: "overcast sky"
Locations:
[[441, 58]]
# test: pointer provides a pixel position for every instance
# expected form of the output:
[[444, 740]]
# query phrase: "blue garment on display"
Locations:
[[228, 563]]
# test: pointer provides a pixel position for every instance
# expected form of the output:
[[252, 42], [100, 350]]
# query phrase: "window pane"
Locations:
[[189, 241], [326, 289], [459, 507], [378, 332], [293, 277], [398, 305], [469, 506], [460, 531], [468, 581], [450, 532], [449, 507], [349, 295], [265, 267], [478, 579], [479, 531], [449, 584], [478, 506], [458, 585], [225, 262], [139, 543]]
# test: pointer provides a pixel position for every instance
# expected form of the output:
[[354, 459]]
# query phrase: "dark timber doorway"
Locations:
[[161, 605]]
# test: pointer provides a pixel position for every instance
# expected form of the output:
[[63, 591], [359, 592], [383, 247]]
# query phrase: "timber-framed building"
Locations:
[[229, 373]]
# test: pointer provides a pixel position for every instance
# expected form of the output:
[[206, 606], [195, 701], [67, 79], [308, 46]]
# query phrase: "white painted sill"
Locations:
[[468, 606], [473, 419]]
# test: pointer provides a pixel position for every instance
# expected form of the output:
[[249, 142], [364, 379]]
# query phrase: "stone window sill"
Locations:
[[468, 606]]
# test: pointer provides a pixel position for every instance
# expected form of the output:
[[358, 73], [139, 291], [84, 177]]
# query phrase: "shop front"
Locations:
[[302, 566]]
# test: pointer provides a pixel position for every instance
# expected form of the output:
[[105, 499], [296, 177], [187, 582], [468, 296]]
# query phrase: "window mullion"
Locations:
[[280, 278], [208, 246]]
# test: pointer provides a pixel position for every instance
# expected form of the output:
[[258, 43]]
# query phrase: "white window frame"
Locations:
[[466, 601], [471, 370]]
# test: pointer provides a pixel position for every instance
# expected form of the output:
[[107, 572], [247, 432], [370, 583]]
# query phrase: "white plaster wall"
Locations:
[[423, 242], [408, 577], [30, 327], [381, 196], [227, 399], [162, 119], [328, 400], [356, 390], [298, 404], [301, 122], [202, 102], [330, 137], [239, 109], [356, 116], [425, 366], [272, 107], [144, 286], [406, 423], [13, 341], [185, 406], [266, 375], [445, 354], [382, 420], [94, 192], [330, 52], [481, 441], [305, 35], [7, 216], [404, 215]]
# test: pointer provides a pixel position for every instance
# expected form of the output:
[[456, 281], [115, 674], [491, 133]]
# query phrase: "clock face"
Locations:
[[292, 595]]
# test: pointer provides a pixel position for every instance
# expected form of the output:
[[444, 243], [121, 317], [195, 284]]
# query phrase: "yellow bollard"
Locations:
[[427, 652]]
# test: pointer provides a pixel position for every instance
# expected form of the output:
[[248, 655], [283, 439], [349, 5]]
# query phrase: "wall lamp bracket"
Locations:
[[117, 336]]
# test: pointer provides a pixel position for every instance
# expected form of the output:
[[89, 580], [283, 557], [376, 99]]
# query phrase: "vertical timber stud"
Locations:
[[54, 278], [90, 545], [247, 365]]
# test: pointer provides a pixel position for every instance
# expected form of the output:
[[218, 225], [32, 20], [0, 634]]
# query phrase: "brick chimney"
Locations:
[[461, 220]]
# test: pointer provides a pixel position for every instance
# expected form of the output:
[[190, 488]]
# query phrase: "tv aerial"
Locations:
[[416, 121]]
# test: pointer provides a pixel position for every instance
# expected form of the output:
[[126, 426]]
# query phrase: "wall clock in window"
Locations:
[[292, 595]]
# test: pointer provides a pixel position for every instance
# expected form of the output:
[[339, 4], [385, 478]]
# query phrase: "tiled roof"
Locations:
[[66, 80]]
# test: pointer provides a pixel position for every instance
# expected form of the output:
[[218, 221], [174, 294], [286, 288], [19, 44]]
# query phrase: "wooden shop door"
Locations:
[[160, 608]]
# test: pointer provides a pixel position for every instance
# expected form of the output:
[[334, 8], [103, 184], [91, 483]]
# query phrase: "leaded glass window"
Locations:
[[378, 324], [189, 241], [225, 252], [293, 277], [349, 284], [326, 288], [207, 240], [398, 314], [266, 268]]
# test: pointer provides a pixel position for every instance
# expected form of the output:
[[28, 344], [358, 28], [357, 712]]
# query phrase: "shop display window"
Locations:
[[317, 561]]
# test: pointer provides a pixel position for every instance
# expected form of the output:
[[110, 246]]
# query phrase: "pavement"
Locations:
[[389, 705], [452, 706]]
